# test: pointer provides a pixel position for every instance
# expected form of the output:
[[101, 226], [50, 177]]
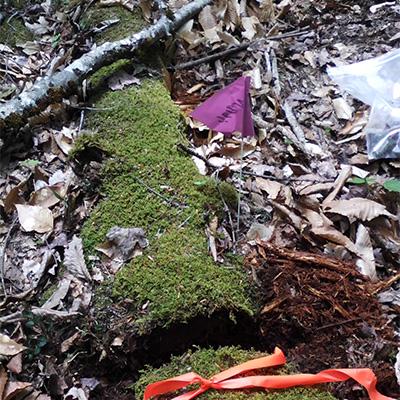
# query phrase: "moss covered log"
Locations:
[[176, 279], [208, 362]]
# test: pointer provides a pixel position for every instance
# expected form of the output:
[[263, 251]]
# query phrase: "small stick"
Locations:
[[274, 178], [232, 50], [275, 74], [194, 154], [240, 186], [297, 129], [338, 323], [3, 254], [151, 190], [228, 211]]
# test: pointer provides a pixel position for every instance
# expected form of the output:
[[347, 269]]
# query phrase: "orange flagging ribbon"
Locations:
[[223, 381]]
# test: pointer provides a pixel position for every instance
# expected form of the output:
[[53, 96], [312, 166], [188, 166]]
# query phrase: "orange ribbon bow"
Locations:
[[222, 381]]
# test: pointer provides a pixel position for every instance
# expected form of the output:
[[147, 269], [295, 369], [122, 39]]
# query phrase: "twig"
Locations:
[[194, 154], [287, 133], [275, 74], [151, 190], [297, 129], [338, 323], [232, 50], [385, 284], [228, 211], [274, 178], [3, 254]]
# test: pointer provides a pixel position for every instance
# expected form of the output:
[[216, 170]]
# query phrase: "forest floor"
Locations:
[[118, 213]]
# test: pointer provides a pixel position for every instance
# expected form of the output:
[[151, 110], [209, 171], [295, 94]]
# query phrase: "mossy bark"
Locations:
[[208, 362]]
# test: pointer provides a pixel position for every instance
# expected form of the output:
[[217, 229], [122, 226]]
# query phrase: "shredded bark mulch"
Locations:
[[323, 314]]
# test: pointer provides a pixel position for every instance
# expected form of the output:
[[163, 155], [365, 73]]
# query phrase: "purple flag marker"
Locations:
[[228, 110]]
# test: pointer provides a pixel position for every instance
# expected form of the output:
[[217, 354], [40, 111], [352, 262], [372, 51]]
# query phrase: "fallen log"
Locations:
[[15, 112]]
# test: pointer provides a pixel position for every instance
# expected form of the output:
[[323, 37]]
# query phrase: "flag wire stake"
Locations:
[[240, 186]]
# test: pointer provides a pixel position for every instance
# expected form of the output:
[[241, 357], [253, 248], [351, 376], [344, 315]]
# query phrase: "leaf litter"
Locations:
[[327, 218]]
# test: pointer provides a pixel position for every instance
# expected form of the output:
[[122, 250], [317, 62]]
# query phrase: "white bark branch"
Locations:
[[56, 86]]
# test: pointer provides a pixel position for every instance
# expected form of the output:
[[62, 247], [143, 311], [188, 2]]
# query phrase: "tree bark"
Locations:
[[14, 113]]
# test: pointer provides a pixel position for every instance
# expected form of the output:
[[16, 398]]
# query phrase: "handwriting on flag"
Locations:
[[231, 109], [228, 110]]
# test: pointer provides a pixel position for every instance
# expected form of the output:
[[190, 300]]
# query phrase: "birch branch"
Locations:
[[49, 89]]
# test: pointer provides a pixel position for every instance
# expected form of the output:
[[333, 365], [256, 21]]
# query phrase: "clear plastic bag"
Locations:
[[376, 82]]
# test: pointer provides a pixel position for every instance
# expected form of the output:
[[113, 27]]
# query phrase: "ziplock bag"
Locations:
[[376, 82]]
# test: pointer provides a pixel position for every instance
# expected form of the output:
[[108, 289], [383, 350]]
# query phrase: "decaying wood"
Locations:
[[54, 87]]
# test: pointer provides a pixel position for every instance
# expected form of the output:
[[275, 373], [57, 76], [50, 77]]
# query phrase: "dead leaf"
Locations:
[[14, 197], [56, 298], [9, 347], [40, 27], [3, 380], [366, 263], [259, 231], [35, 218], [316, 188], [75, 394], [128, 4], [15, 365], [74, 260], [67, 343], [122, 80], [207, 18], [357, 208], [250, 27], [123, 243], [234, 151], [340, 181], [266, 12], [65, 139], [15, 389], [272, 188], [48, 196], [342, 109]]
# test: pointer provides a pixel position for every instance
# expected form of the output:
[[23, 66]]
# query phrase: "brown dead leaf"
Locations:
[[128, 4], [207, 18], [35, 218], [14, 197], [3, 381], [233, 150], [357, 208], [14, 389], [9, 347], [67, 343], [272, 188], [250, 27], [15, 365], [340, 181], [48, 196]]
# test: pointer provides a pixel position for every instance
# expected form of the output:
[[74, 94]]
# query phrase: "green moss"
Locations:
[[14, 32], [129, 22], [175, 278], [97, 80], [208, 362]]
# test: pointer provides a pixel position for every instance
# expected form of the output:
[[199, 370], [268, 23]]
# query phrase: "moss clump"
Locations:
[[208, 362], [176, 278], [13, 32], [98, 79], [129, 22]]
